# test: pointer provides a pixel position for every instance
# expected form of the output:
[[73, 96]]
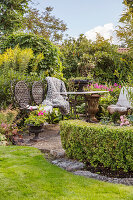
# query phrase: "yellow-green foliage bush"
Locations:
[[18, 59], [97, 144], [14, 64], [50, 64]]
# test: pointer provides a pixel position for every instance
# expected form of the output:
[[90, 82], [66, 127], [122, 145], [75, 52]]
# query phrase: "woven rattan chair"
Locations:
[[22, 94], [37, 92]]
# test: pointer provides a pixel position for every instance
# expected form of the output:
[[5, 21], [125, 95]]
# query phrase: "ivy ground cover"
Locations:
[[25, 175]]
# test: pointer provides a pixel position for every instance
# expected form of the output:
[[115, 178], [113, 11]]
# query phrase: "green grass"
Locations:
[[25, 174]]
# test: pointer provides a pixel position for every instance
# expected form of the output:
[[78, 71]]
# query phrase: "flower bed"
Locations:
[[98, 144]]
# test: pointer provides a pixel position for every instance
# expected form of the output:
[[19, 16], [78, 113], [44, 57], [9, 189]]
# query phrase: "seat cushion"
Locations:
[[115, 108]]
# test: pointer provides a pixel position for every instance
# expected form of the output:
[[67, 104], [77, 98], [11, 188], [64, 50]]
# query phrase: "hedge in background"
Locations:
[[98, 144]]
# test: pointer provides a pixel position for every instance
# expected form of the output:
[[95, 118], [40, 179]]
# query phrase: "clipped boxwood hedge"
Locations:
[[111, 146]]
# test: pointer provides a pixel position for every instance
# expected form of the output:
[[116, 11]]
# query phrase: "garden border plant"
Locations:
[[97, 144]]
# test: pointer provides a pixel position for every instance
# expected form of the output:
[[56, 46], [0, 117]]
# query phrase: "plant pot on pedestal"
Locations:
[[36, 130], [93, 107], [79, 84]]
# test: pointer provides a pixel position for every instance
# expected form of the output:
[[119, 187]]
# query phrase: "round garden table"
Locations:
[[91, 100]]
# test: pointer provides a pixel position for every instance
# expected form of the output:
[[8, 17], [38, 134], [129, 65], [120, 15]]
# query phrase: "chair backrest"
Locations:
[[37, 92], [124, 99], [22, 94]]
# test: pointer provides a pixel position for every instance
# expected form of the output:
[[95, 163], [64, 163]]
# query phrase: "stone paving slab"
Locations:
[[126, 181], [69, 165]]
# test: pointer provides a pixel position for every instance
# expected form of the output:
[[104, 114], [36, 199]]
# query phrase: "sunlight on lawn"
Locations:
[[25, 174]]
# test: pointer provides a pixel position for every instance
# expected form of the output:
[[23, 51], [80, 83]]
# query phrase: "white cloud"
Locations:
[[106, 31]]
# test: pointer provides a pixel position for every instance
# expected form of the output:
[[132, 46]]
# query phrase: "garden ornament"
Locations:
[[124, 103]]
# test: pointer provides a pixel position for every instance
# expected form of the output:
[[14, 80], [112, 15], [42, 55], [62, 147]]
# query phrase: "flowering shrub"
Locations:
[[97, 87], [8, 116], [107, 98], [11, 133], [8, 129], [124, 121], [36, 117]]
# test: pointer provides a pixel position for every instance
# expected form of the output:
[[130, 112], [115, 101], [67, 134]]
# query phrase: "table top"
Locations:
[[84, 92]]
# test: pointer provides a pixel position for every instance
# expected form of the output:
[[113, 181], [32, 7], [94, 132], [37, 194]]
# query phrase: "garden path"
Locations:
[[49, 141]]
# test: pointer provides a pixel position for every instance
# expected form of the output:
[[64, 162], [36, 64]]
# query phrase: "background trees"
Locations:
[[12, 15], [125, 30], [100, 58], [45, 24], [18, 15]]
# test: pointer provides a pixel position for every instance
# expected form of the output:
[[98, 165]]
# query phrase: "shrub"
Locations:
[[36, 118], [50, 63], [97, 144], [14, 66], [9, 133], [26, 57], [3, 139]]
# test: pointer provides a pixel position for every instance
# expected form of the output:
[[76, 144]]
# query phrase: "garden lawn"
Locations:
[[25, 174]]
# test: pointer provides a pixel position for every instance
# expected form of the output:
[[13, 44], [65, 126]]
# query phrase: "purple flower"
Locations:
[[121, 124], [115, 84], [122, 118], [3, 125], [40, 113], [127, 122]]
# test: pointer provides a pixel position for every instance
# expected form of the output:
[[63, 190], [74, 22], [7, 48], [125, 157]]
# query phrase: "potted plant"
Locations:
[[35, 121], [80, 82]]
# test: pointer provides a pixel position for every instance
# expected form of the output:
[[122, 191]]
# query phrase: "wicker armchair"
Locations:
[[22, 94], [37, 92]]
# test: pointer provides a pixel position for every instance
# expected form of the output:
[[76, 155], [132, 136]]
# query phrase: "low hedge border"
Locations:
[[111, 146]]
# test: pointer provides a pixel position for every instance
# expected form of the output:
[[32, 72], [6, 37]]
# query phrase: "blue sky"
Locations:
[[86, 16]]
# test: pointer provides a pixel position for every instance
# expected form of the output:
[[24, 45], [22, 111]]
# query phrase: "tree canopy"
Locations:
[[45, 24], [125, 29], [18, 15], [100, 59], [12, 15]]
